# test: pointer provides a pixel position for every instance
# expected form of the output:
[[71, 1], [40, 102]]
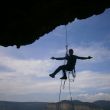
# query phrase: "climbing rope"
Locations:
[[71, 80], [60, 91], [66, 40], [62, 85]]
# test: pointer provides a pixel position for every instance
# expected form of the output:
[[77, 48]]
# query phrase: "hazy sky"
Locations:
[[24, 72]]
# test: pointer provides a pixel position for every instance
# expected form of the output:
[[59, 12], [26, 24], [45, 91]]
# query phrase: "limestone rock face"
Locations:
[[22, 23]]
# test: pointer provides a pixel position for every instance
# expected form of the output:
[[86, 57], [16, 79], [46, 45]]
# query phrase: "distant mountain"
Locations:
[[103, 104], [63, 105], [22, 105]]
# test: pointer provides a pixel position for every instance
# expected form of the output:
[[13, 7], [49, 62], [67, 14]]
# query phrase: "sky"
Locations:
[[24, 72]]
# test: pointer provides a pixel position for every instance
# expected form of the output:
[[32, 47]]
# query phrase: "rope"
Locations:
[[66, 40], [63, 85], [60, 90], [69, 86], [59, 105]]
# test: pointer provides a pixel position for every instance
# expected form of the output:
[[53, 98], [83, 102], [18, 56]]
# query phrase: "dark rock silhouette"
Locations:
[[24, 22]]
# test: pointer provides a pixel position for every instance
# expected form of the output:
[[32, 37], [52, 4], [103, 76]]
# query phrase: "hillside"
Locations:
[[65, 105]]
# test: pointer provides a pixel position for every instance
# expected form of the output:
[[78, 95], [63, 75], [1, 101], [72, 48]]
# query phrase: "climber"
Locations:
[[71, 62]]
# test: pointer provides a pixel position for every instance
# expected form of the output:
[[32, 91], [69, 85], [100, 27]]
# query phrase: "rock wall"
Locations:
[[22, 23]]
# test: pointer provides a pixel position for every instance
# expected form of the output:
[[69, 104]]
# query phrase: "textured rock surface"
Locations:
[[24, 22]]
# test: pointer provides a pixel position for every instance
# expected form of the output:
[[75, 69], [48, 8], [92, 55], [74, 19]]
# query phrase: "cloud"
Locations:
[[97, 50], [27, 66], [93, 97], [30, 76], [84, 81], [92, 80], [89, 86], [26, 75]]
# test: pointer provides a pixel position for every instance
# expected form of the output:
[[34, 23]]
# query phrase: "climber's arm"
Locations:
[[59, 58], [83, 58]]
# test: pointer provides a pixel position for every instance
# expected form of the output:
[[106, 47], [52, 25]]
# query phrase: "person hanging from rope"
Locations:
[[69, 66]]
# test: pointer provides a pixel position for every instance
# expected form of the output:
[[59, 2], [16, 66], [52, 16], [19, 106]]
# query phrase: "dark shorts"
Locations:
[[68, 68]]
